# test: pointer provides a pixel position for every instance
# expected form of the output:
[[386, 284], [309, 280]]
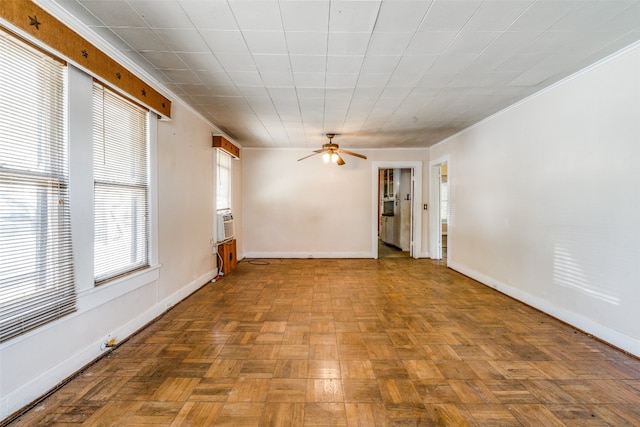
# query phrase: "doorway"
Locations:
[[394, 221], [439, 212], [396, 201]]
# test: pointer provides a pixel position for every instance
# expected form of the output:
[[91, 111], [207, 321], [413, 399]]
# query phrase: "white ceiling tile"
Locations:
[[552, 41], [471, 42], [435, 80], [449, 15], [590, 15], [165, 60], [76, 9], [452, 63], [344, 63], [236, 61], [107, 34], [496, 15], [272, 63], [308, 63], [182, 76], [508, 44], [225, 41], [430, 42], [309, 80], [466, 79], [283, 94], [245, 78], [247, 91], [419, 63], [340, 95], [196, 91], [162, 13], [627, 20], [111, 13], [141, 39], [411, 69], [278, 79], [353, 16], [518, 63], [200, 61], [215, 77], [263, 15], [395, 93], [306, 43], [210, 14], [401, 16], [348, 43], [305, 15], [543, 14], [370, 80], [341, 80], [266, 42], [379, 64], [181, 40], [388, 43]]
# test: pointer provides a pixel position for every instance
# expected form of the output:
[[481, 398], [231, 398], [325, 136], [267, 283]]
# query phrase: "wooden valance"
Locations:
[[41, 25], [226, 145]]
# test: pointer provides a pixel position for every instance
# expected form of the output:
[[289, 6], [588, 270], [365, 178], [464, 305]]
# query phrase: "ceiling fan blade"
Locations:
[[351, 153], [340, 161], [312, 154]]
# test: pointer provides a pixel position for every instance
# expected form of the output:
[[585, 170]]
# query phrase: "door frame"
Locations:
[[416, 217], [435, 220]]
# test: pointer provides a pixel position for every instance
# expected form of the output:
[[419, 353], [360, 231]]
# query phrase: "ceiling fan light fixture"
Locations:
[[332, 152]]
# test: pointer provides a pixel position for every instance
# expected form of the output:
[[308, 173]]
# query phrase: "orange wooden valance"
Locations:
[[226, 145], [35, 21]]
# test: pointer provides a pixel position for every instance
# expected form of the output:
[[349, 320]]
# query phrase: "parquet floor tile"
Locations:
[[389, 342]]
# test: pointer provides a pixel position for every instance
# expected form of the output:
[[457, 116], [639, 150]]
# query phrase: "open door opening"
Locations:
[[439, 213], [396, 219]]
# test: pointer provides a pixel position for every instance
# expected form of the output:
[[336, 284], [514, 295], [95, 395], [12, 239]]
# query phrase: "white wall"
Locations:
[[309, 208], [182, 217], [545, 200]]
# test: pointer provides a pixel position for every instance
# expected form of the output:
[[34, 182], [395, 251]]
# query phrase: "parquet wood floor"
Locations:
[[391, 342]]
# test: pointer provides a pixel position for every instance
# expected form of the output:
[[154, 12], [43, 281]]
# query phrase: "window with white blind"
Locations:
[[36, 262], [223, 186], [120, 185]]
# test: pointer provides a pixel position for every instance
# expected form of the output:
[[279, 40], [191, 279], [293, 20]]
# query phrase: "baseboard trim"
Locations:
[[308, 255], [607, 335]]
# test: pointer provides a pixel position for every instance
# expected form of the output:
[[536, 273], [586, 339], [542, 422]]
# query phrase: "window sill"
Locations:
[[99, 295]]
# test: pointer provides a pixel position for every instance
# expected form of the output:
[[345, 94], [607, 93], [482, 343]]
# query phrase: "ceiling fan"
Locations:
[[332, 152]]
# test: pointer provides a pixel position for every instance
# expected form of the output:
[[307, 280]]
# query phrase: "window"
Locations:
[[36, 263], [223, 188], [120, 185]]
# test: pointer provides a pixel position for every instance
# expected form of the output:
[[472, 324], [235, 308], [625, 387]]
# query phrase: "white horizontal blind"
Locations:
[[223, 188], [120, 185], [36, 263]]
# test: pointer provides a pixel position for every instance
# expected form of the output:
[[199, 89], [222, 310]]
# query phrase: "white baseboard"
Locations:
[[583, 323], [34, 389], [308, 255]]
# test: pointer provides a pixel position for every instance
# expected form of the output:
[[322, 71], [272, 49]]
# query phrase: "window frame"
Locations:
[[226, 158], [140, 232], [44, 291]]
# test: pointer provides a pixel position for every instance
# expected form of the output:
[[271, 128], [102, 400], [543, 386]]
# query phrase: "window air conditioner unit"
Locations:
[[225, 229]]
